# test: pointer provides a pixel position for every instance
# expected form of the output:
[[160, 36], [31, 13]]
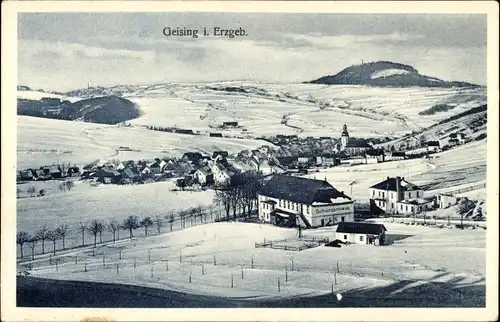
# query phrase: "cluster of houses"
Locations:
[[48, 173], [192, 168]]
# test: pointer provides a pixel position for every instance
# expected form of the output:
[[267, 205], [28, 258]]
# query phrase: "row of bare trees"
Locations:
[[42, 235], [96, 228], [239, 196]]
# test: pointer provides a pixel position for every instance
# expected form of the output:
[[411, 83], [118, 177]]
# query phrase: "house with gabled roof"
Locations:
[[204, 176], [397, 195], [361, 233], [297, 201], [108, 175]]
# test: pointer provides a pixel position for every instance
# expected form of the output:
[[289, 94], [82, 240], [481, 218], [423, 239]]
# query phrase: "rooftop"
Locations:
[[300, 190], [360, 228], [390, 184]]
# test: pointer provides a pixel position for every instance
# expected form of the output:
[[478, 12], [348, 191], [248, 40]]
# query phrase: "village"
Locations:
[[270, 187]]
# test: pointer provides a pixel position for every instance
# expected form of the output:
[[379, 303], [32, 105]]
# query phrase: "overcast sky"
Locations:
[[62, 51]]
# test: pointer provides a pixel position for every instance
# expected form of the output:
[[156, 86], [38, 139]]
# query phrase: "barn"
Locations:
[[361, 233]]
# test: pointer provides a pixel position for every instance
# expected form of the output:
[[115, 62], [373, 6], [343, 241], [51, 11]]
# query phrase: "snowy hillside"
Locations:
[[303, 109], [36, 95], [45, 141], [221, 260]]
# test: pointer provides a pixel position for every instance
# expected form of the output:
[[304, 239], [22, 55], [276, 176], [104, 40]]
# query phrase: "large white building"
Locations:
[[295, 201], [397, 195]]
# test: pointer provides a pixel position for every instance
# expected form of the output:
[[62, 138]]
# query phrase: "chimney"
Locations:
[[398, 193]]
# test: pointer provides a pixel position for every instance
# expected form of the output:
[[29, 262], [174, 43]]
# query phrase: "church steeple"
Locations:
[[344, 138], [344, 131]]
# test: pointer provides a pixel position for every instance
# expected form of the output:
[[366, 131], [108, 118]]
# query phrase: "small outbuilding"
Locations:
[[361, 233]]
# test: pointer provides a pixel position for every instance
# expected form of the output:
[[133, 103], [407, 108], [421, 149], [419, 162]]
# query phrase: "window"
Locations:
[[373, 192], [406, 207], [392, 195], [342, 218], [288, 205], [409, 194], [383, 194], [345, 236], [360, 238], [308, 209], [417, 194]]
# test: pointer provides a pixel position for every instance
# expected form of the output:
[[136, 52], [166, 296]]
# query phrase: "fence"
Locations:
[[466, 189], [299, 244]]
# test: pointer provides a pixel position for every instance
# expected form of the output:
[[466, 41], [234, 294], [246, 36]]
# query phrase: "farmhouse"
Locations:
[[433, 146], [361, 233], [444, 200], [395, 156], [223, 154], [216, 135], [296, 201], [130, 175], [26, 175], [204, 176], [396, 195], [192, 157], [374, 156], [230, 124], [108, 175]]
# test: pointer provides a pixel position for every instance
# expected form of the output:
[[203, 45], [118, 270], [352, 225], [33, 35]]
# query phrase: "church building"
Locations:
[[352, 146]]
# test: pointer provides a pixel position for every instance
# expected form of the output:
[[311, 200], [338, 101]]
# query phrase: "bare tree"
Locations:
[[82, 227], [131, 223], [171, 218], [114, 227], [198, 213], [41, 234], [94, 227], [53, 236], [146, 223], [158, 221], [69, 184], [31, 191], [182, 216], [223, 198], [63, 230], [100, 228], [22, 238], [32, 244]]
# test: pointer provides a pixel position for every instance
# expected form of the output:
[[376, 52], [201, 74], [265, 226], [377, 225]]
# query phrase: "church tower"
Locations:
[[344, 138]]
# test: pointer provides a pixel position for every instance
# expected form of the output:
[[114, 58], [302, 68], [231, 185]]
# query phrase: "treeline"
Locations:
[[170, 129], [239, 196], [95, 228]]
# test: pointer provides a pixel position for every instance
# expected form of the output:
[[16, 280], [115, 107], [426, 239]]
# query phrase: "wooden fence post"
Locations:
[[57, 267], [278, 283], [215, 262], [286, 273], [120, 254], [149, 254], [166, 265], [152, 272], [134, 263], [335, 277], [202, 269], [117, 273], [232, 282], [252, 262], [338, 269], [76, 259], [242, 273], [104, 261], [85, 267]]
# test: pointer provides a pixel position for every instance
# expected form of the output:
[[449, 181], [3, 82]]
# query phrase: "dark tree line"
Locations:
[[239, 196], [96, 228]]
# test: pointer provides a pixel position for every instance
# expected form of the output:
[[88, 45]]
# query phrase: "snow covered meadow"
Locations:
[[221, 259]]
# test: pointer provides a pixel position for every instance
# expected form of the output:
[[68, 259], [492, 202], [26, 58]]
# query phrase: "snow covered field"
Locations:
[[46, 141], [104, 202], [203, 259], [260, 107]]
